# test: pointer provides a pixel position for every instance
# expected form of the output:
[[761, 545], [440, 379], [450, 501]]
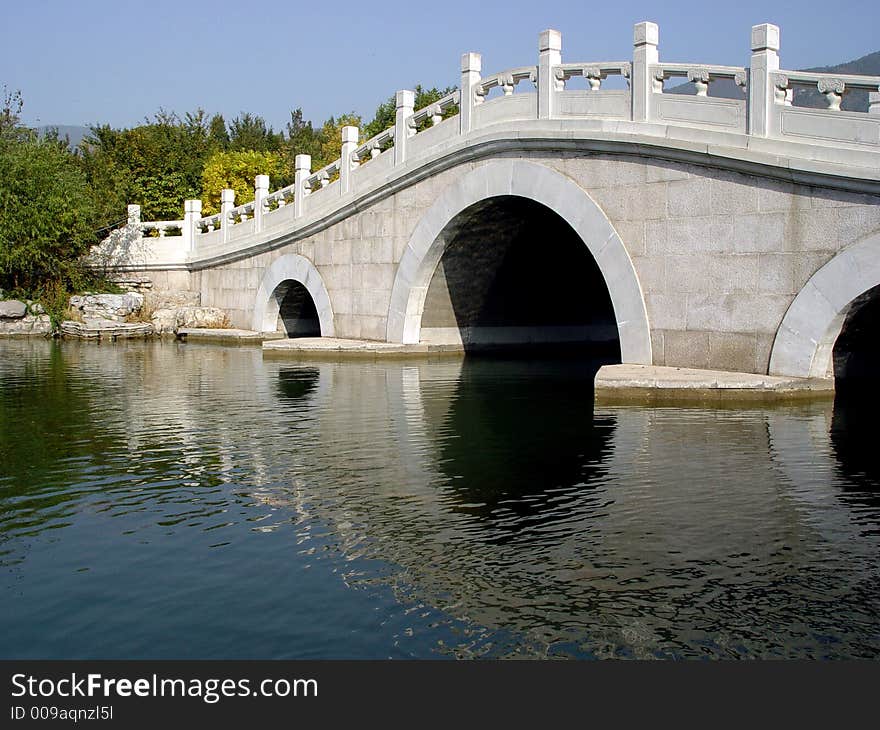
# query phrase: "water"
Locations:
[[177, 500]]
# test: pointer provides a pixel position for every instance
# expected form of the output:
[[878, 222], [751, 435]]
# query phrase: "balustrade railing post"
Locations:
[[764, 62], [261, 190], [549, 56], [302, 169], [471, 67], [646, 37], [134, 215], [874, 102], [346, 165], [192, 211], [227, 203], [405, 101]]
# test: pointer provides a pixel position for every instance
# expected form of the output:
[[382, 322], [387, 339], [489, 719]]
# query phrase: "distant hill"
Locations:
[[855, 100], [73, 133]]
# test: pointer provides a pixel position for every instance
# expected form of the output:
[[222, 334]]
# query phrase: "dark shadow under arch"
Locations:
[[297, 314], [514, 274]]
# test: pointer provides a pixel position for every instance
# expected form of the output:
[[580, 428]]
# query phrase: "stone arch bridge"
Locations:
[[586, 201]]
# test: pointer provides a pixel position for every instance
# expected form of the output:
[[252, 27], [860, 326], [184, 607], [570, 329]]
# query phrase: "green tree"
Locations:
[[385, 112], [10, 123], [157, 165], [237, 170], [250, 132], [217, 134], [47, 217], [302, 139]]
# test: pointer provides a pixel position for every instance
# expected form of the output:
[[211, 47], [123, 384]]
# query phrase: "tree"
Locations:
[[331, 139], [217, 134], [10, 124], [237, 170], [385, 112], [302, 139], [249, 132], [47, 218], [157, 165]]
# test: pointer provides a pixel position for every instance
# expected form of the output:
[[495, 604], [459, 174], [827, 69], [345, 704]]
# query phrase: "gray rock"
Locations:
[[202, 317], [27, 326], [164, 321], [114, 307], [12, 309]]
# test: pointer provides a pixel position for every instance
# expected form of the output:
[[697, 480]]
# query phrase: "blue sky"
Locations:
[[118, 62]]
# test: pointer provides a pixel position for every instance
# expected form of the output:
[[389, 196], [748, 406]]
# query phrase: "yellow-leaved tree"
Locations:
[[237, 170]]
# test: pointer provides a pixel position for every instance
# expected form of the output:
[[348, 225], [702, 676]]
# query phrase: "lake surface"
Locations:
[[189, 501]]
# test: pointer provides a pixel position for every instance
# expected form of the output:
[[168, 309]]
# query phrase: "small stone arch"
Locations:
[[291, 267], [805, 339], [557, 192]]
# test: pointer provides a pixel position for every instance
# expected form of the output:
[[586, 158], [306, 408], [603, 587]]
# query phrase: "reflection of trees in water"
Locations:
[[526, 442]]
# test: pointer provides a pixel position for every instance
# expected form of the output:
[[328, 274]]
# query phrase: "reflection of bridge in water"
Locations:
[[690, 230], [495, 492]]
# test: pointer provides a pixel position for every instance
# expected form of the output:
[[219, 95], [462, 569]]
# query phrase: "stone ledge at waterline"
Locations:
[[23, 319], [638, 383]]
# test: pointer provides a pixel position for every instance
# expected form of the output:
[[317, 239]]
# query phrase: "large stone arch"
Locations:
[[558, 193], [291, 267], [805, 339]]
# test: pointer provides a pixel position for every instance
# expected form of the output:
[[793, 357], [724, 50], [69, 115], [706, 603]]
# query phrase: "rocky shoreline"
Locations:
[[131, 315]]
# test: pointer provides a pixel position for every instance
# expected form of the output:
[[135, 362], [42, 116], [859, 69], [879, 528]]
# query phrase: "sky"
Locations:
[[96, 62]]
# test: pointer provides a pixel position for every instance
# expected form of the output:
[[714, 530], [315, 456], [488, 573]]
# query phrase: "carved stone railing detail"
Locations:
[[640, 111], [699, 77], [833, 90], [594, 73]]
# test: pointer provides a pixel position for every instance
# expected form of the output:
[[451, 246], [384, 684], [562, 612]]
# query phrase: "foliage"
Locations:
[[249, 132], [237, 170], [302, 139], [331, 139], [47, 218], [10, 126], [385, 113], [157, 165]]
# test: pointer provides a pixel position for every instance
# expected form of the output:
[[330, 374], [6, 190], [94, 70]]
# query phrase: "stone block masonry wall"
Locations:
[[719, 255]]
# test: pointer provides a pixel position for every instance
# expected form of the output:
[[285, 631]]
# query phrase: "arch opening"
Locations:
[[856, 352], [827, 327], [297, 314], [522, 180], [294, 282], [514, 274]]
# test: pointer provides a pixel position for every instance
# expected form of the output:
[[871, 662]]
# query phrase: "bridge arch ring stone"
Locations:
[[804, 343], [298, 268], [557, 192]]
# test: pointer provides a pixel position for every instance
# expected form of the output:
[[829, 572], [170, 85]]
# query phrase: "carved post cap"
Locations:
[[765, 37], [192, 206], [405, 99], [350, 134], [646, 34], [549, 40], [303, 162], [261, 182], [227, 196], [471, 62]]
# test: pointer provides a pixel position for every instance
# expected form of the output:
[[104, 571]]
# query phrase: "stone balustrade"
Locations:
[[643, 111]]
